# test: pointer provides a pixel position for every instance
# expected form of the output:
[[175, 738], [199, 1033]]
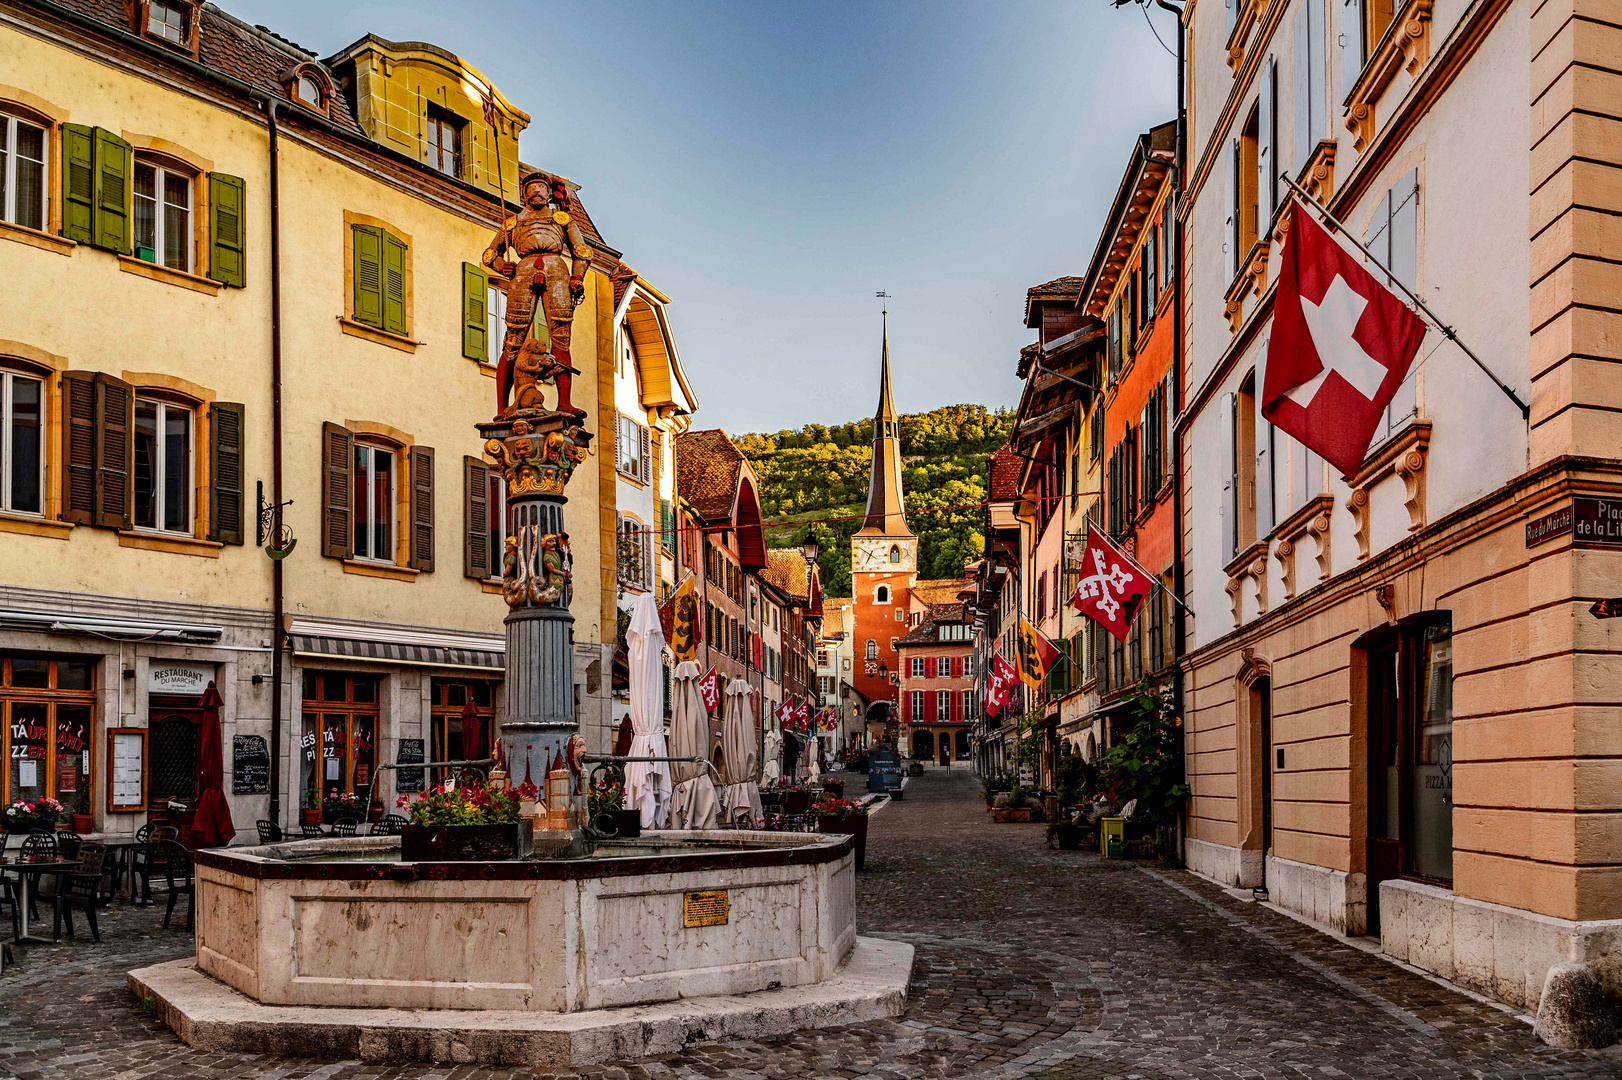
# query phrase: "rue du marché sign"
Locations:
[[1590, 522]]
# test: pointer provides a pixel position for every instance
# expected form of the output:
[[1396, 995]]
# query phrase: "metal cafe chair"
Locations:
[[174, 862], [39, 845], [82, 888], [148, 837], [269, 832], [390, 825], [310, 832], [346, 826]]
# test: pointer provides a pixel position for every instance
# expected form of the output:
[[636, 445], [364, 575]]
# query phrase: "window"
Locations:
[[1237, 419], [917, 706], [380, 269], [163, 466], [495, 315], [1362, 24], [943, 705], [631, 450], [1393, 237], [1239, 230], [1157, 630], [895, 553], [166, 21], [1168, 247], [22, 172], [45, 705], [22, 459], [339, 732], [1310, 79], [373, 503], [1095, 437], [163, 204], [309, 91], [881, 595], [893, 643], [917, 667], [635, 556], [968, 710], [1267, 155], [450, 741], [444, 138]]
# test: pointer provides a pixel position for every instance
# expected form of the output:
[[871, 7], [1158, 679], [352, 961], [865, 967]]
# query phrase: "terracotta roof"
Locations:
[[1005, 470], [940, 590], [786, 570], [1060, 288], [707, 465], [927, 632]]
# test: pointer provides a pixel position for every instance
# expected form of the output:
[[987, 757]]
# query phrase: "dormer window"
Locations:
[[167, 21], [308, 85], [309, 91]]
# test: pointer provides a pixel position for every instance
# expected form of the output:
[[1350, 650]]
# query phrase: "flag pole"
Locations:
[[1447, 331]]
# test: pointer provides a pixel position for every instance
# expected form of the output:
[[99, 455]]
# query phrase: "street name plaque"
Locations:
[[1589, 521], [706, 908]]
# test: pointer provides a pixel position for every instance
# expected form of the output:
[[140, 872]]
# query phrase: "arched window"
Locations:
[[895, 553], [872, 649], [881, 595]]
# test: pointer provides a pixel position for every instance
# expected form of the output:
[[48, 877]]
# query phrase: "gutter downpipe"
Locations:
[[1179, 616], [276, 593]]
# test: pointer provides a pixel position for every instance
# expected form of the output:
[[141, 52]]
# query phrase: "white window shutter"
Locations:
[[619, 456], [1264, 148], [1301, 86], [1230, 202], [1225, 423], [1264, 472], [1351, 44]]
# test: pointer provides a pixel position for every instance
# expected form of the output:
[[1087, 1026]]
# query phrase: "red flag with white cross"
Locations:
[[1342, 343], [1000, 680], [1110, 588], [710, 687]]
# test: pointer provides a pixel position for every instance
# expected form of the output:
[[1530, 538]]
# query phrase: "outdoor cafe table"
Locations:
[[26, 868]]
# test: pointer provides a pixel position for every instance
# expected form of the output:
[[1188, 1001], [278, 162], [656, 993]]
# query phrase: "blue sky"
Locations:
[[771, 165]]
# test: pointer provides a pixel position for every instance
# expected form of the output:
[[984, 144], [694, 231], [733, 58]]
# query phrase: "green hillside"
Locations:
[[820, 473]]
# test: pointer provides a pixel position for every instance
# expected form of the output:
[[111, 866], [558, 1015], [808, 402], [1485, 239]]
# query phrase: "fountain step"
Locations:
[[209, 1015]]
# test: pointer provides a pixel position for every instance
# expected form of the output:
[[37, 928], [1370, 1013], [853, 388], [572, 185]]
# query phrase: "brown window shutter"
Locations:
[[79, 447], [476, 515], [422, 508], [115, 446], [225, 472], [646, 467], [337, 465]]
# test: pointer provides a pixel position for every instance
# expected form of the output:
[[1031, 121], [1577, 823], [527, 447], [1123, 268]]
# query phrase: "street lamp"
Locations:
[[809, 547]]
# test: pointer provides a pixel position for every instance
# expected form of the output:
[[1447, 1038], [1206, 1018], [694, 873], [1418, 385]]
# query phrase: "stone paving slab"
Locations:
[[1028, 962], [208, 1015]]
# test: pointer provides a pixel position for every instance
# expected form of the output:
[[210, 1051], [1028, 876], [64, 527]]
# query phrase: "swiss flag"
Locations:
[[710, 687], [1342, 343], [1000, 681], [1110, 588]]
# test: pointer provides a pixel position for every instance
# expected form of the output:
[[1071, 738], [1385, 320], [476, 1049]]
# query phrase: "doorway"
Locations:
[[1410, 759], [1262, 690], [946, 750]]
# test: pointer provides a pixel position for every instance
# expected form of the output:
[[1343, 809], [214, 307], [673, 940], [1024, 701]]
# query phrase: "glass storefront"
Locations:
[[338, 737], [450, 742], [46, 704]]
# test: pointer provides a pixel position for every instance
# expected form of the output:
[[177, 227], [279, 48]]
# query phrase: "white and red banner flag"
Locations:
[[1110, 588], [1341, 345], [1000, 680], [710, 687]]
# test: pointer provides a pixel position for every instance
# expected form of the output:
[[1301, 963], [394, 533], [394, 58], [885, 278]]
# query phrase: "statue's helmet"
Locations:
[[533, 178]]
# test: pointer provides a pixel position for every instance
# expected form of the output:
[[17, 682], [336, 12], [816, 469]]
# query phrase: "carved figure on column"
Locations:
[[549, 281]]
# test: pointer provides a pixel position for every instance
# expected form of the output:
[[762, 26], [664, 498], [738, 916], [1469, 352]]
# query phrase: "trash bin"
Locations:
[[1112, 837]]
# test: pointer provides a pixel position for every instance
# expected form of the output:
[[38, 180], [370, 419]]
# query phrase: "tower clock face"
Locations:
[[877, 554]]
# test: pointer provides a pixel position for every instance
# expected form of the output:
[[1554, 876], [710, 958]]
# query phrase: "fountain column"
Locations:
[[536, 452]]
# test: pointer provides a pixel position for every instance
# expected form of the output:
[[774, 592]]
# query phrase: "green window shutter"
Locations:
[[226, 263], [476, 517], [475, 332], [115, 164], [369, 275], [78, 182], [225, 472], [394, 320]]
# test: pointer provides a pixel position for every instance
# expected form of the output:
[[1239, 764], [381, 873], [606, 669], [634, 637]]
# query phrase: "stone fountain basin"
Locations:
[[344, 922]]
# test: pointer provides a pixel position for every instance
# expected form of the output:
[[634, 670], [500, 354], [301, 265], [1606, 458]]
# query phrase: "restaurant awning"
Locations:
[[62, 622], [339, 640]]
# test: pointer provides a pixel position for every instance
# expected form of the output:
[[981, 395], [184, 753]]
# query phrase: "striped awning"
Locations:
[[413, 647]]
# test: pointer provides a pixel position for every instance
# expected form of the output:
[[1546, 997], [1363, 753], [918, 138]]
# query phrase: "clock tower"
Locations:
[[883, 559]]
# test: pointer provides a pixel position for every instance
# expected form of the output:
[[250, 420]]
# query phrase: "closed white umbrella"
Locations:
[[693, 805], [738, 748], [647, 784], [771, 768]]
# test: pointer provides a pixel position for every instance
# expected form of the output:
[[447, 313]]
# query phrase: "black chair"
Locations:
[[310, 832], [174, 863], [390, 825], [269, 832], [82, 888], [148, 836], [346, 826], [39, 845]]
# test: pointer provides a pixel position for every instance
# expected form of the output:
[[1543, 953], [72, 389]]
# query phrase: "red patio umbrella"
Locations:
[[213, 818], [472, 731]]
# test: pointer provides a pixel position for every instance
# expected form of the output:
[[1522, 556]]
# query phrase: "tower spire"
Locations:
[[886, 508]]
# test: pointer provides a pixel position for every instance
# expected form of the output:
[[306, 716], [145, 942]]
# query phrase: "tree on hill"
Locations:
[[820, 473]]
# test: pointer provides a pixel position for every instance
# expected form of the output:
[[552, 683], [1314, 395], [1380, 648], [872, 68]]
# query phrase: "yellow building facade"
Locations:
[[166, 245]]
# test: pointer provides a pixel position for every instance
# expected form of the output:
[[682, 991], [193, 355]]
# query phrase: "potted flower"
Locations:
[[310, 812], [836, 815], [833, 787], [1067, 834], [25, 817], [467, 823], [1017, 807], [341, 804], [605, 805]]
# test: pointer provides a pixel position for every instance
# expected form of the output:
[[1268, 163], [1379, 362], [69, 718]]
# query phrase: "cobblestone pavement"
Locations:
[[1030, 962]]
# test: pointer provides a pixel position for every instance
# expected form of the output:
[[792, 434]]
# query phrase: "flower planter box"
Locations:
[[851, 825], [625, 824], [310, 817], [465, 843], [836, 788], [1004, 815]]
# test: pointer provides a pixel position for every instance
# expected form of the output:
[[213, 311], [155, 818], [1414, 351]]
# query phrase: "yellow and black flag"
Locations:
[[683, 627], [1036, 654]]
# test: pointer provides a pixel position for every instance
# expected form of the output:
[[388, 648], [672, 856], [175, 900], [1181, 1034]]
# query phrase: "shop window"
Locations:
[[45, 730], [22, 458], [163, 214], [163, 466], [450, 730], [338, 737], [444, 138], [22, 171]]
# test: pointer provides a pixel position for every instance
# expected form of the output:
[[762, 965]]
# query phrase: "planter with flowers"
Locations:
[[464, 824], [844, 816], [606, 803], [25, 817], [341, 804]]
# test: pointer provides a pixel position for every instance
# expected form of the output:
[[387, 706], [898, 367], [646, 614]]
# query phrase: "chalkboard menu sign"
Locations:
[[411, 750], [250, 765]]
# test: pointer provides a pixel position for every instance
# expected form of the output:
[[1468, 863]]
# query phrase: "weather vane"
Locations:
[[882, 295]]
